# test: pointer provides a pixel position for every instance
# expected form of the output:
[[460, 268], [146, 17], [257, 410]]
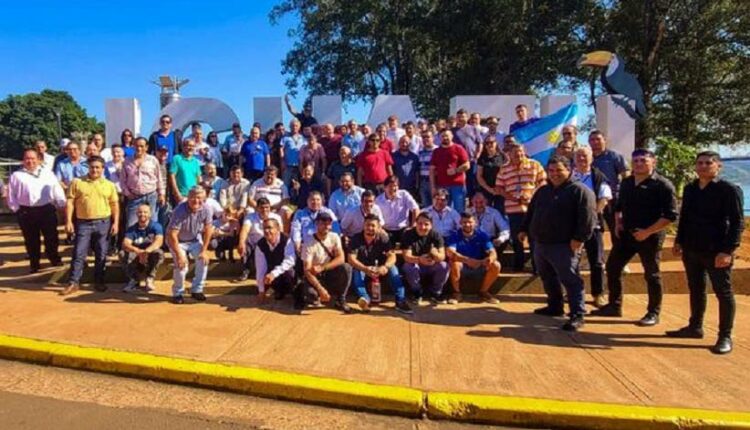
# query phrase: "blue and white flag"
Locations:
[[540, 137]]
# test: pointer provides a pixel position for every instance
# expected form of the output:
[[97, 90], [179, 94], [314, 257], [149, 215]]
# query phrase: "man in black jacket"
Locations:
[[645, 207], [165, 137], [710, 228], [561, 217]]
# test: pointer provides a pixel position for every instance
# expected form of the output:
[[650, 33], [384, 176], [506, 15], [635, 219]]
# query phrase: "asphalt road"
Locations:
[[40, 397]]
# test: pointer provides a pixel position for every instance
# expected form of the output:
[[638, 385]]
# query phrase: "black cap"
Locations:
[[236, 125]]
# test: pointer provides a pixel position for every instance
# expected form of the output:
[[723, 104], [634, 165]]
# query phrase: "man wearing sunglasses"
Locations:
[[165, 137]]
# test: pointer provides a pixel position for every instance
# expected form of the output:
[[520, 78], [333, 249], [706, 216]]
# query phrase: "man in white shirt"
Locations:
[[395, 131], [490, 221], [273, 189], [327, 276], [398, 207], [34, 193], [251, 232], [354, 219], [445, 219], [274, 262], [47, 160]]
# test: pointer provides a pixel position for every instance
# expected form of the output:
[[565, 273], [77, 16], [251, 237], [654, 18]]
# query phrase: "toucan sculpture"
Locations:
[[617, 81]]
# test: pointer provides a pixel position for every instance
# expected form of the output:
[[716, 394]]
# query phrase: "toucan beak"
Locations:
[[595, 59]]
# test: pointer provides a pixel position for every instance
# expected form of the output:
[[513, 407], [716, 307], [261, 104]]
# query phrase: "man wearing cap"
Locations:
[[33, 194], [165, 137], [645, 208], [326, 275]]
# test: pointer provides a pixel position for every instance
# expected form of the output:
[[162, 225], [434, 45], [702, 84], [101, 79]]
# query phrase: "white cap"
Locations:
[[64, 142]]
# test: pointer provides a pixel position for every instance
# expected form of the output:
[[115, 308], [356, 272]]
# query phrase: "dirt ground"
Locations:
[[744, 251]]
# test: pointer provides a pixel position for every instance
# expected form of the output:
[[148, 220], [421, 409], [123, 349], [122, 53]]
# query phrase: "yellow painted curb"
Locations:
[[576, 415], [259, 382]]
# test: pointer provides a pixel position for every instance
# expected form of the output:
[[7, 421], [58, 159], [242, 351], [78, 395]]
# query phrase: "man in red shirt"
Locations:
[[447, 170], [331, 143], [373, 165], [385, 143]]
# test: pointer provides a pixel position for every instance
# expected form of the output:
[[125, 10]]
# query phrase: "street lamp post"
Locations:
[[58, 112]]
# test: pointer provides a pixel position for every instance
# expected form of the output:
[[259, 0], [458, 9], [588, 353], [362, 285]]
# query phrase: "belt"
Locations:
[[29, 208]]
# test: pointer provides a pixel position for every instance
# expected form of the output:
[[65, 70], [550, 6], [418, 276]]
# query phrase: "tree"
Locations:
[[26, 118], [430, 49]]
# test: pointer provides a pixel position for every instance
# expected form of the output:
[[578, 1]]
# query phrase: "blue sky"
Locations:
[[97, 50]]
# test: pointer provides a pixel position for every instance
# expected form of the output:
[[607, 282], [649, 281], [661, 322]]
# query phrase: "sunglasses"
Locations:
[[166, 121]]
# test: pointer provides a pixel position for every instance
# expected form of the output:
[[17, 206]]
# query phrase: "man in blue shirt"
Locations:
[[141, 250], [290, 147], [72, 167], [522, 113], [346, 197], [255, 156], [472, 253], [165, 137], [406, 167], [303, 223]]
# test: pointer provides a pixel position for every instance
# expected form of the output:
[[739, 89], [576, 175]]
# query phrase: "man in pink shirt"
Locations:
[[448, 170]]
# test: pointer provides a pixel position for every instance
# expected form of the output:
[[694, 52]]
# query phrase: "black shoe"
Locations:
[[343, 307], [607, 311], [299, 305], [574, 323], [404, 307], [723, 345], [178, 300], [198, 296], [243, 277], [648, 320], [686, 333], [33, 269], [550, 312], [100, 287]]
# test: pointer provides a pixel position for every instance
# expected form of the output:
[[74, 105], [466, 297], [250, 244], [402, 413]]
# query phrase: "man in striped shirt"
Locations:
[[516, 182]]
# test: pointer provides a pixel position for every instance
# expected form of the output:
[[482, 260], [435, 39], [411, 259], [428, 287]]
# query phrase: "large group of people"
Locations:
[[414, 207]]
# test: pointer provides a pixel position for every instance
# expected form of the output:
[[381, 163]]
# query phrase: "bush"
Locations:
[[675, 161]]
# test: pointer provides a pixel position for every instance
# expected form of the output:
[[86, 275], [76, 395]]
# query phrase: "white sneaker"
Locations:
[[364, 304], [131, 286], [150, 285], [626, 269]]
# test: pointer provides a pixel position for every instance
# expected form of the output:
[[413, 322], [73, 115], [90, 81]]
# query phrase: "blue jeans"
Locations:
[[193, 250], [558, 264], [437, 273], [131, 207], [458, 197], [425, 191], [96, 230], [393, 278]]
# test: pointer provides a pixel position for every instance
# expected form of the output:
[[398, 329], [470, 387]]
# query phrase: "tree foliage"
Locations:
[[26, 118], [692, 57]]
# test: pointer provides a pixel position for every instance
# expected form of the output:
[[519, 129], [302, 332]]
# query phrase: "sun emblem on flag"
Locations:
[[553, 136]]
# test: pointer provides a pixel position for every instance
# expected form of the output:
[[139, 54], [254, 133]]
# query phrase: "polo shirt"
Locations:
[[492, 223], [254, 155], [475, 246], [92, 198], [189, 224], [355, 143], [445, 157], [66, 170], [186, 172], [168, 142], [143, 237], [425, 157], [276, 192], [406, 169], [517, 180], [612, 165], [341, 201], [374, 165], [421, 245], [396, 210], [373, 253], [444, 222], [292, 145]]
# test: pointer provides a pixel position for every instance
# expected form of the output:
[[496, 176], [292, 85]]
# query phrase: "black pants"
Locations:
[[283, 284], [336, 281], [609, 218], [224, 244], [33, 222], [519, 258], [595, 254], [697, 265], [650, 252], [135, 270]]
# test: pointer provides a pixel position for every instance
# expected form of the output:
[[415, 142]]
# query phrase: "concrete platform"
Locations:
[[468, 348]]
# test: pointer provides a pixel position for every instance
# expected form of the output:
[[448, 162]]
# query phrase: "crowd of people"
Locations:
[[318, 209]]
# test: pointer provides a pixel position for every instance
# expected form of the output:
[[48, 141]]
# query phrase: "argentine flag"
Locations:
[[539, 137]]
